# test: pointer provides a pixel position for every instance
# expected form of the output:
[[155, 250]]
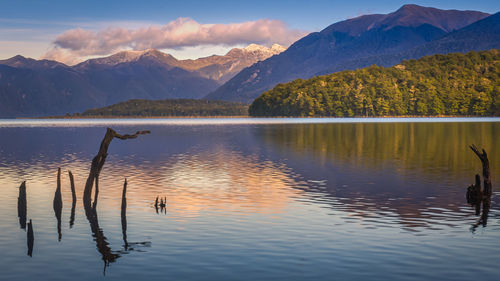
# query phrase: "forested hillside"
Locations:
[[171, 107], [453, 84]]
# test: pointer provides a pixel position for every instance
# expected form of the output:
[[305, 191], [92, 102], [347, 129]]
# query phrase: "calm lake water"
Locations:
[[252, 199]]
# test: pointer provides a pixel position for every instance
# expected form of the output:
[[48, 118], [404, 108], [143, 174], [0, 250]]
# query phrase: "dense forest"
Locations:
[[453, 84], [170, 107]]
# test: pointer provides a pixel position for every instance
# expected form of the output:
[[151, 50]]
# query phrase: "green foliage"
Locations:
[[453, 84], [171, 107]]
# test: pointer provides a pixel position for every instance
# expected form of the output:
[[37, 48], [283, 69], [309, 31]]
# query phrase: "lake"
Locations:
[[251, 199]]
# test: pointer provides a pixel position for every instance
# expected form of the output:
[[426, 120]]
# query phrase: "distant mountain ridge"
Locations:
[[31, 87], [356, 43], [215, 67], [42, 87]]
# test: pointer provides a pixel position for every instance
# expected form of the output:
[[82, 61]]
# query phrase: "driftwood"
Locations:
[[98, 163], [21, 205], [30, 238], [58, 204], [478, 197], [73, 203]]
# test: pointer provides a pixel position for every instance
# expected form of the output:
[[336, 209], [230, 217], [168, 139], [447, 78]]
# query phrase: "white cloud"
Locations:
[[76, 44]]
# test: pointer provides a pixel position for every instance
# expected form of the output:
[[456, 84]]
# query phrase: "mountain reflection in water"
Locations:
[[227, 186], [410, 171]]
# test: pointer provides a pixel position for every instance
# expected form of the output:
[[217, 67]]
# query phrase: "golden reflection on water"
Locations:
[[229, 181], [430, 148], [220, 180]]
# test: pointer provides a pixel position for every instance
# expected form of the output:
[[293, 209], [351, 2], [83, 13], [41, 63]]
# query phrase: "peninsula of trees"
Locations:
[[453, 84], [170, 107]]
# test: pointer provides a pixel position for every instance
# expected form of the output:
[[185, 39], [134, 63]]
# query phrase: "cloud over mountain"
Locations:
[[74, 44]]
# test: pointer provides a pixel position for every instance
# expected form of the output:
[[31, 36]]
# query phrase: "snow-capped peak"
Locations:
[[254, 48], [130, 56], [275, 49]]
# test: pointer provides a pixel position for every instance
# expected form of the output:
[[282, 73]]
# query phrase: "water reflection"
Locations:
[[429, 148], [124, 215], [73, 197], [403, 172], [322, 196], [30, 238], [480, 199], [107, 255]]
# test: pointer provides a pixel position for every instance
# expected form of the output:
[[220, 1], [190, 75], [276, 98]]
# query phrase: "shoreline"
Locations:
[[240, 116]]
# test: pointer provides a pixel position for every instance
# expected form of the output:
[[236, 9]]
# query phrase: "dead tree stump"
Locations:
[[481, 197], [98, 162], [22, 205], [487, 191]]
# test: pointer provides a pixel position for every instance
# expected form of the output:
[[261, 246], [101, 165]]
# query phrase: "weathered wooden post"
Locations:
[[22, 205]]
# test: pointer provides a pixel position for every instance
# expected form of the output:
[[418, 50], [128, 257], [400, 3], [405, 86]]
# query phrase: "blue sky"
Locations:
[[33, 27]]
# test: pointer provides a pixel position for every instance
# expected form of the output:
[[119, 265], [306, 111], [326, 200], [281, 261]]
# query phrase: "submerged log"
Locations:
[[22, 205], [58, 204], [99, 160], [30, 239], [73, 203]]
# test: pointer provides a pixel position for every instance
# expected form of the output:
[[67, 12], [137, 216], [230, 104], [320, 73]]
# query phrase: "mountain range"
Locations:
[[31, 87], [41, 87], [410, 32]]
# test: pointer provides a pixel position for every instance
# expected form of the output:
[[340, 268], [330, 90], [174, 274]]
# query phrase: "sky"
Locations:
[[71, 31]]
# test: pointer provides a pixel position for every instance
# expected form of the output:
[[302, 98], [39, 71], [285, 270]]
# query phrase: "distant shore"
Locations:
[[130, 117], [246, 116]]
